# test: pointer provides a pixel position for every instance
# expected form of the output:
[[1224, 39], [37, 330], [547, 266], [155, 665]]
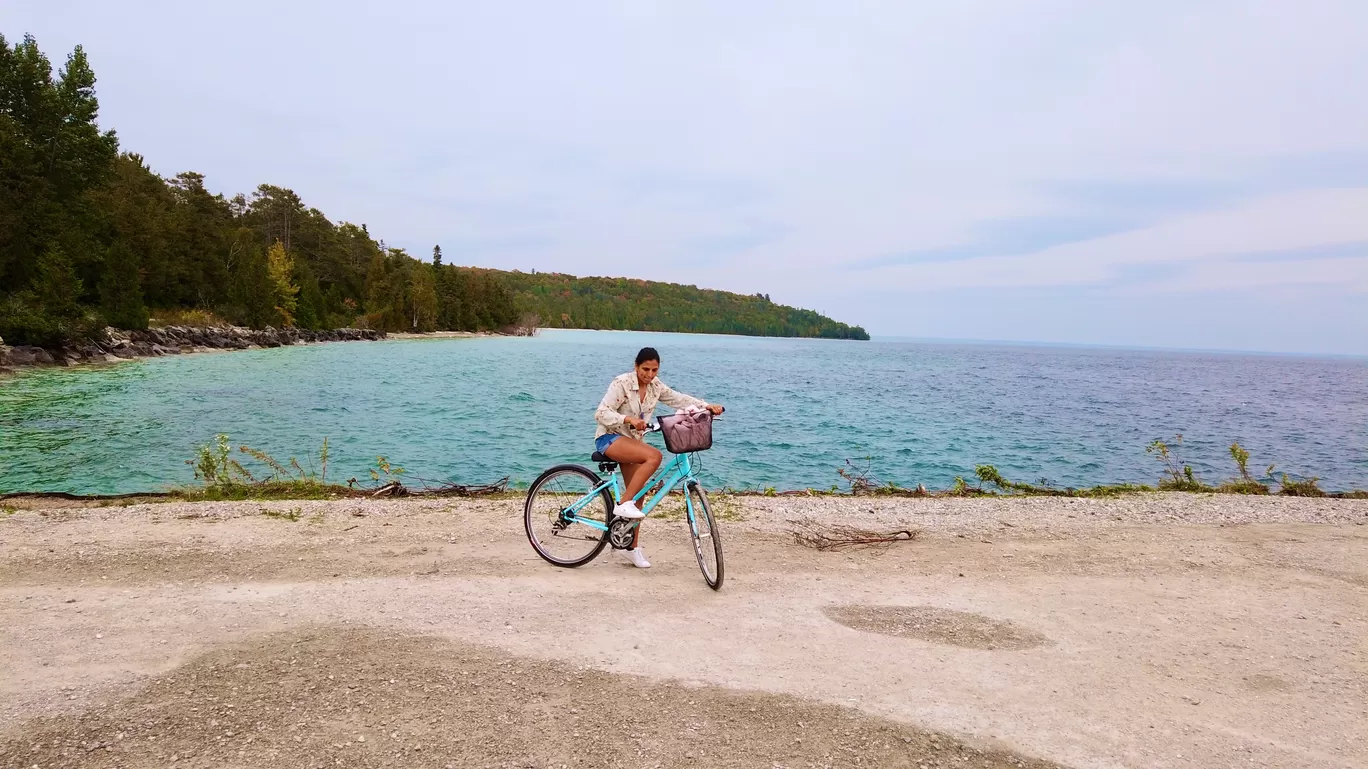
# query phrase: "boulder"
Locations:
[[27, 356]]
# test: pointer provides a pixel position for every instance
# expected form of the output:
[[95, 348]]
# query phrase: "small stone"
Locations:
[[99, 635], [361, 738]]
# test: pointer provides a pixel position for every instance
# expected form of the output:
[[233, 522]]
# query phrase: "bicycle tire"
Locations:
[[703, 515], [528, 515]]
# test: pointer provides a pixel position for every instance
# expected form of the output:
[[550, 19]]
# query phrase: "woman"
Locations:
[[621, 417]]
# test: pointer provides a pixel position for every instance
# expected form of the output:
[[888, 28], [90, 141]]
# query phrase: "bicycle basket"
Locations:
[[687, 432]]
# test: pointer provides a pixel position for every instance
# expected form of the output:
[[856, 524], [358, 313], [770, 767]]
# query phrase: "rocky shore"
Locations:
[[120, 345]]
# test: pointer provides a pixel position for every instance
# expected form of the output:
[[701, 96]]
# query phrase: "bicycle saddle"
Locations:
[[601, 457]]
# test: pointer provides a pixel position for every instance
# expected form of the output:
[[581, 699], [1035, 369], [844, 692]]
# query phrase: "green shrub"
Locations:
[[1304, 487]]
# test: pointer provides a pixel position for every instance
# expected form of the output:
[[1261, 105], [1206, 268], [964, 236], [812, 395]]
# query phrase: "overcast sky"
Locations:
[[1176, 173]]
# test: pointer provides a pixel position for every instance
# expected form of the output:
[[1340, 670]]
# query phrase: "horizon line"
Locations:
[[1113, 346]]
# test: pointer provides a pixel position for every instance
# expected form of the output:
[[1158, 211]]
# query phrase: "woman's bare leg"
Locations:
[[639, 462]]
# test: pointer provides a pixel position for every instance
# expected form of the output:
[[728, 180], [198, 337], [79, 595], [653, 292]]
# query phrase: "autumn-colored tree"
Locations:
[[280, 267]]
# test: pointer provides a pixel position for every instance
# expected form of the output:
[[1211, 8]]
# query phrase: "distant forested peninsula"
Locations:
[[91, 236], [564, 301]]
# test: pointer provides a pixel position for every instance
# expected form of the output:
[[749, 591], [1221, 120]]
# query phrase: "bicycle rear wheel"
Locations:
[[703, 529], [557, 532]]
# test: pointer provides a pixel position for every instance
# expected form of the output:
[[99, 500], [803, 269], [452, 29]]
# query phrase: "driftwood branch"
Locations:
[[391, 489], [810, 533], [430, 488]]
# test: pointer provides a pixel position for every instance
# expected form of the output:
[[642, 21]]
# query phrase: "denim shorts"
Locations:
[[602, 443]]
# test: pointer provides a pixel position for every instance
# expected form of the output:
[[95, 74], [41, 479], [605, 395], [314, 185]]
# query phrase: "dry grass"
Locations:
[[189, 318]]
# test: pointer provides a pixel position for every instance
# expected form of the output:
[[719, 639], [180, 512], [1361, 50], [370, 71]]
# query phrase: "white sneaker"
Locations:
[[628, 510], [637, 556]]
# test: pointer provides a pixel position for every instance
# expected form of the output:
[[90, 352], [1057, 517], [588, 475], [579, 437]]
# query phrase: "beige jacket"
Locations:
[[625, 399]]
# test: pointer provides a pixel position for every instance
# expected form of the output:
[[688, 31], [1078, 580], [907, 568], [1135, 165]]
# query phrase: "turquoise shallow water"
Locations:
[[474, 410]]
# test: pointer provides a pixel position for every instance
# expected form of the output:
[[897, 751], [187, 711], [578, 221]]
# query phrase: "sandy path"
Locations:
[[1159, 631]]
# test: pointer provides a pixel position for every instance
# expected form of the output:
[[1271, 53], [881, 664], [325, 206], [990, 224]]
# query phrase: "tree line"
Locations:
[[91, 236], [565, 301]]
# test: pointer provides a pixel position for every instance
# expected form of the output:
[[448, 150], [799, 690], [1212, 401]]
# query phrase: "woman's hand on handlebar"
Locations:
[[716, 409], [636, 423]]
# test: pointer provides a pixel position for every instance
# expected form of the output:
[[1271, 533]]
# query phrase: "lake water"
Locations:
[[475, 410]]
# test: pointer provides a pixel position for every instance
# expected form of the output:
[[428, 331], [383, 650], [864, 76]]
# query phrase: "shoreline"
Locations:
[[118, 345], [445, 334], [266, 491]]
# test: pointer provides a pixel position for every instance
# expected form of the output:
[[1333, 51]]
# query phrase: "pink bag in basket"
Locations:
[[687, 431]]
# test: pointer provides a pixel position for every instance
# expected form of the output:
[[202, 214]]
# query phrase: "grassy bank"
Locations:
[[226, 473]]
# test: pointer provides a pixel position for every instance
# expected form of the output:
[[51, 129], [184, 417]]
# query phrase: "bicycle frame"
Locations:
[[678, 469]]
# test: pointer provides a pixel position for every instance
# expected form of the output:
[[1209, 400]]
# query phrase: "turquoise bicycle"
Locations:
[[569, 512]]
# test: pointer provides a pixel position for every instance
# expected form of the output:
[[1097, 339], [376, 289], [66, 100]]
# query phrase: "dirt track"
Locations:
[[1151, 631]]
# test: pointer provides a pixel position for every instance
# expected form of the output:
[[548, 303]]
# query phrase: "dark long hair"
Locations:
[[647, 353]]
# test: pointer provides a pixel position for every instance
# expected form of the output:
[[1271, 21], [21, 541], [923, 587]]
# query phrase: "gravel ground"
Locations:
[[932, 623], [1159, 630], [333, 696]]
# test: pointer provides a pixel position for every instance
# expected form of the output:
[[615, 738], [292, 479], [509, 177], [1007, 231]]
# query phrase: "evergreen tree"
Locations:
[[121, 297], [48, 314], [437, 257], [56, 285], [253, 293], [377, 295], [312, 307], [449, 299]]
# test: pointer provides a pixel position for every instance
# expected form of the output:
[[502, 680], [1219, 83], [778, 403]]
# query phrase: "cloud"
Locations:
[[1008, 237], [1352, 249], [1308, 227]]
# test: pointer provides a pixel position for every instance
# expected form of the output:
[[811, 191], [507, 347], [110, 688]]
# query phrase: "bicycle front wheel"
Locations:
[[703, 529], [566, 519]]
